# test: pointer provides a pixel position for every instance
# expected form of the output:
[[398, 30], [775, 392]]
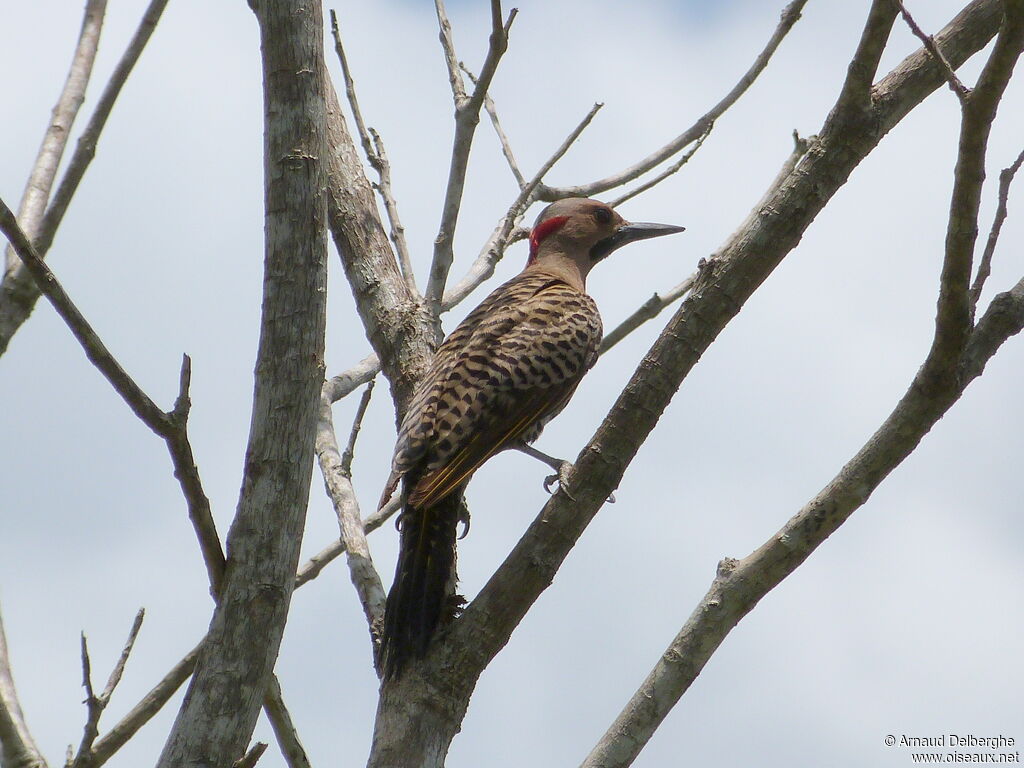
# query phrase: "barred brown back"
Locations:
[[501, 375]]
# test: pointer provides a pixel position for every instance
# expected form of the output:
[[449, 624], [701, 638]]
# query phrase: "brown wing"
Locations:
[[501, 383], [496, 435]]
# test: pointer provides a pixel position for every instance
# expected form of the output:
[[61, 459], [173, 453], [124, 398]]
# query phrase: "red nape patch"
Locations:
[[541, 231]]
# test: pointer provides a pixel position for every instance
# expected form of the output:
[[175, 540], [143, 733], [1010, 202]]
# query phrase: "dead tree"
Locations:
[[316, 182]]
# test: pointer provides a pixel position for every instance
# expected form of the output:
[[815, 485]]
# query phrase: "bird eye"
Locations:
[[603, 215]]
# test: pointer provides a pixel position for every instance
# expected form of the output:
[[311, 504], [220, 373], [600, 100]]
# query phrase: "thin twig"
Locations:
[[506, 145], [494, 248], [357, 423], [467, 116], [647, 311], [312, 567], [665, 173], [95, 705], [350, 92], [985, 265], [789, 17], [93, 709], [955, 85], [397, 232], [118, 671]]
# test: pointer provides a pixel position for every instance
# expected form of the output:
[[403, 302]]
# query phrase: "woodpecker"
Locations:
[[503, 373]]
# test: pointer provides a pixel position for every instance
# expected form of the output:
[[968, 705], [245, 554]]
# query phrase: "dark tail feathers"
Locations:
[[424, 580]]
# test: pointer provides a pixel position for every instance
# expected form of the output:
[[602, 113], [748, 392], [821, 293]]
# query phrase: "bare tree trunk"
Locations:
[[224, 698]]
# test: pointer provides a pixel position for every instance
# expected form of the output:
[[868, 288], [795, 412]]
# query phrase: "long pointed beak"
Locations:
[[643, 230], [630, 233]]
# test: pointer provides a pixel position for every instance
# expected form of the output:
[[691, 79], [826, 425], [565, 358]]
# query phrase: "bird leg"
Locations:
[[562, 468]]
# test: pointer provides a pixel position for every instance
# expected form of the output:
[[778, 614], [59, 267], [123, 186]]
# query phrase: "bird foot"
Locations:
[[561, 477]]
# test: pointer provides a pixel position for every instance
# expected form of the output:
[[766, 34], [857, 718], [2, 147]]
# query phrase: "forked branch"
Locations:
[[467, 116], [18, 292]]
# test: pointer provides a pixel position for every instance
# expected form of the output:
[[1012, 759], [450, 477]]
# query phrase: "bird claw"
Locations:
[[561, 477]]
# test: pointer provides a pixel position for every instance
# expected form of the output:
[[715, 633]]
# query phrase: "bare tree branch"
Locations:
[[377, 158], [154, 701], [141, 713], [185, 470], [40, 181], [312, 567], [337, 472], [451, 60], [647, 311], [790, 15], [172, 427], [961, 90], [985, 266], [118, 670], [18, 293], [17, 749], [348, 381], [96, 704], [94, 348], [672, 169], [391, 207], [1003, 318], [467, 116], [740, 584]]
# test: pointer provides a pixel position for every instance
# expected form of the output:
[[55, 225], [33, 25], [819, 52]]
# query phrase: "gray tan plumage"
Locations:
[[510, 367]]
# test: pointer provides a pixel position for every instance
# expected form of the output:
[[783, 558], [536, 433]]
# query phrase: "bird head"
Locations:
[[579, 232]]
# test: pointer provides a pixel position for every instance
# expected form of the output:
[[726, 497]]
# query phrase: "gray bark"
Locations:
[[399, 327], [223, 700]]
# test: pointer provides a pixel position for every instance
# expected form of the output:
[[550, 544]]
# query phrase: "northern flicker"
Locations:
[[501, 375]]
